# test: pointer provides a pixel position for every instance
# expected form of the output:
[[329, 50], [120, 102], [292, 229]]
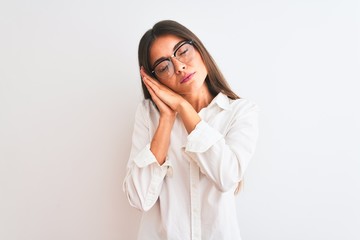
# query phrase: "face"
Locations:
[[189, 71]]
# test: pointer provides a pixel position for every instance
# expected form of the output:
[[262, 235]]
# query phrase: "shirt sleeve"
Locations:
[[144, 177], [223, 158]]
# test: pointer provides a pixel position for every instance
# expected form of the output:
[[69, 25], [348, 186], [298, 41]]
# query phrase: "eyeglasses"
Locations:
[[164, 69]]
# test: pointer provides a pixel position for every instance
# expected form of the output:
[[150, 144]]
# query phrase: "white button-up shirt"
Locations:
[[191, 195]]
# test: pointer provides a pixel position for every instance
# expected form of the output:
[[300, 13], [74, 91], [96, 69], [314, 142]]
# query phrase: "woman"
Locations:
[[192, 141]]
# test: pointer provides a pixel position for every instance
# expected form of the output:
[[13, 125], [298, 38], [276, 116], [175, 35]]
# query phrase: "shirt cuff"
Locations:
[[202, 138], [146, 157]]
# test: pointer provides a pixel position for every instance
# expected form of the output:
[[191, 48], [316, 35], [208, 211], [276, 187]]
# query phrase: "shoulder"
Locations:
[[234, 105], [243, 105], [146, 109], [145, 105]]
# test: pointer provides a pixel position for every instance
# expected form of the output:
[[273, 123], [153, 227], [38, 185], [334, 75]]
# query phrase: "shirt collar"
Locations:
[[222, 101]]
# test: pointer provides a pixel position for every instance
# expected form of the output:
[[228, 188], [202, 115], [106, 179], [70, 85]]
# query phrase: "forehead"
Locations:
[[163, 47]]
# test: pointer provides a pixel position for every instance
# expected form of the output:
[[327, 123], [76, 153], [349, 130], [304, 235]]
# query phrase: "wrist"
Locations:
[[167, 118], [182, 106]]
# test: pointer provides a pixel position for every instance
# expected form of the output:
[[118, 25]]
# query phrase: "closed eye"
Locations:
[[183, 52], [163, 66], [163, 69]]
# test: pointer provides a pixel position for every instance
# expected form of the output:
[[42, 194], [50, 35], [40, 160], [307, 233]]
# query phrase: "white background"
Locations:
[[69, 86]]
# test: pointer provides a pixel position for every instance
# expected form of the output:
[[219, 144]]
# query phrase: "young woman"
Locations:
[[192, 141]]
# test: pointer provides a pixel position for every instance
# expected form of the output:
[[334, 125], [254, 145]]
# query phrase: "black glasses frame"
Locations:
[[191, 42]]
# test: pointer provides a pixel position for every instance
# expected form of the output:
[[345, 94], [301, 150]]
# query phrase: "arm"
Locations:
[[145, 175], [161, 140], [224, 158], [147, 165]]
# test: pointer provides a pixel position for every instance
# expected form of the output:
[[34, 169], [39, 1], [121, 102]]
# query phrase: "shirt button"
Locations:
[[169, 171]]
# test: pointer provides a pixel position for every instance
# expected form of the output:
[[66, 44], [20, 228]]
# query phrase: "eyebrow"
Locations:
[[164, 58]]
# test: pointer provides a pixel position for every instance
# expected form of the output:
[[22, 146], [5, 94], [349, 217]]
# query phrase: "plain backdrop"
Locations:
[[69, 87]]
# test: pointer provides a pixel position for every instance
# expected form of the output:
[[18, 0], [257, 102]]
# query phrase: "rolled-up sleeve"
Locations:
[[202, 138], [144, 176], [224, 156]]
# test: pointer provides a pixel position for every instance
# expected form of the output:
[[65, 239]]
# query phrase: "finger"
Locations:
[[153, 81], [153, 85], [150, 89], [149, 82], [144, 74], [150, 78], [157, 100], [152, 94]]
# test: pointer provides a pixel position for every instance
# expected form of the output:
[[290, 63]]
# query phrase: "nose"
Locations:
[[178, 66]]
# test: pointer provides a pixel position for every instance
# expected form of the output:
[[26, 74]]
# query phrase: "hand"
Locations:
[[163, 93], [151, 84], [170, 103]]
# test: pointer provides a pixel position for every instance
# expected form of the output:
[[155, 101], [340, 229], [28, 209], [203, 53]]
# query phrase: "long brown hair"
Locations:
[[214, 80]]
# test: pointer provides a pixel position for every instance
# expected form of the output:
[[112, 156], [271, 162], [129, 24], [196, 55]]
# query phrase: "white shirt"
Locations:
[[191, 195]]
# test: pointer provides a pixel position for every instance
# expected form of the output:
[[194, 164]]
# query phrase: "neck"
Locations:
[[200, 99]]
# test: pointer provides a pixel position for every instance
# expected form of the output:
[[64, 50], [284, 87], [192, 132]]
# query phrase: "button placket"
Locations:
[[195, 202]]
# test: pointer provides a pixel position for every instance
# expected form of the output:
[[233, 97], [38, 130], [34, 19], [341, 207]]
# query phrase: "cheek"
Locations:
[[163, 82], [200, 64], [201, 67], [168, 82]]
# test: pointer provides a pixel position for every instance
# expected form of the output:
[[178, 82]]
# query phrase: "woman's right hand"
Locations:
[[164, 109]]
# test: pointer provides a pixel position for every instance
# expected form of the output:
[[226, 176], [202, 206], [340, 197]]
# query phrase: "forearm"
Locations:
[[221, 164], [223, 155], [160, 142], [188, 115]]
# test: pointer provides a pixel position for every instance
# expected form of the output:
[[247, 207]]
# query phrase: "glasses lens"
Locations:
[[185, 53], [164, 69]]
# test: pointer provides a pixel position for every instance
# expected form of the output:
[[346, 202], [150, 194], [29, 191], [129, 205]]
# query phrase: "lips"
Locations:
[[187, 78]]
